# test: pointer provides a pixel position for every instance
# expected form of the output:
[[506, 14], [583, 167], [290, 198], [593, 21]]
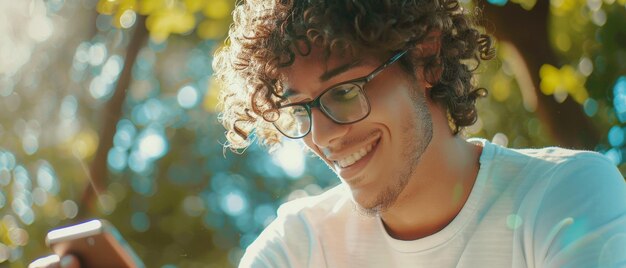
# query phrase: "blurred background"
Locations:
[[108, 110]]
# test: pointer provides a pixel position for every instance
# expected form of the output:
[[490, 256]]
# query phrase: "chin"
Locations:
[[367, 210], [365, 204]]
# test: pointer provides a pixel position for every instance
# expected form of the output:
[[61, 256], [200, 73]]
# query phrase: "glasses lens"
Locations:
[[345, 103], [294, 121]]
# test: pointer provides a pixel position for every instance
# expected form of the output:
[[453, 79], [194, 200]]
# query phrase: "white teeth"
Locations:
[[349, 160]]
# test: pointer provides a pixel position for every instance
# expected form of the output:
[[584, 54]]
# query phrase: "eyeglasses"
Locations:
[[344, 103]]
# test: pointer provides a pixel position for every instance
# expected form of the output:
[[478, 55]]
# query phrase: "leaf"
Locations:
[[210, 29], [147, 7], [166, 21], [218, 9], [107, 7], [194, 5]]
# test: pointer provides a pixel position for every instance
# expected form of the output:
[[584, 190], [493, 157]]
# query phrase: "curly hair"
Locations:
[[267, 35]]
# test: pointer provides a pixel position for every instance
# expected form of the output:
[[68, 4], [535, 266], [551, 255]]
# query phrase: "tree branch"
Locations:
[[111, 115], [527, 31]]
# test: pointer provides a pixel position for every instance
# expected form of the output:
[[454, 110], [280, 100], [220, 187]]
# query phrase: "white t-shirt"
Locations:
[[528, 208]]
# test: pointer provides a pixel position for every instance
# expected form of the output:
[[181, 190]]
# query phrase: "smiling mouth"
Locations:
[[356, 156]]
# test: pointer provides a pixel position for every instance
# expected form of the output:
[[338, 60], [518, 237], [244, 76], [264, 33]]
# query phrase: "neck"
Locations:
[[437, 190]]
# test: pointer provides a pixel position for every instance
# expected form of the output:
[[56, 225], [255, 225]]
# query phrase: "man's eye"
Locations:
[[299, 111], [345, 93]]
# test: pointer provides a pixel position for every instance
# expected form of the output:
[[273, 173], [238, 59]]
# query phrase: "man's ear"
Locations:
[[430, 48]]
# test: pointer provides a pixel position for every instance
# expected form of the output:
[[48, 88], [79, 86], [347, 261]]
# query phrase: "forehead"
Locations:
[[319, 60], [309, 73]]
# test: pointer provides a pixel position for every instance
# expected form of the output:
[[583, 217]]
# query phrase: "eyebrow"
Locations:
[[327, 75]]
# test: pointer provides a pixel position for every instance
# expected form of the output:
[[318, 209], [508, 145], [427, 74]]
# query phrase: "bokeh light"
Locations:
[[5, 177], [117, 158], [100, 88], [617, 136], [188, 97], [234, 202], [140, 221], [40, 28], [264, 214], [128, 19], [5, 252], [3, 199], [23, 210], [18, 236], [112, 68], [615, 155], [591, 107], [152, 143], [46, 179], [585, 66], [498, 2], [7, 160], [107, 203], [290, 157], [619, 98], [69, 107], [137, 163], [70, 209], [143, 185], [125, 134], [193, 206], [40, 196]]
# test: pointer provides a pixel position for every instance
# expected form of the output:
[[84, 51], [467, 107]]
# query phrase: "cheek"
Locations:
[[391, 105], [309, 143], [311, 146]]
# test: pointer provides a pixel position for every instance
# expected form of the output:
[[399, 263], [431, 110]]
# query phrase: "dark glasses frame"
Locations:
[[359, 82]]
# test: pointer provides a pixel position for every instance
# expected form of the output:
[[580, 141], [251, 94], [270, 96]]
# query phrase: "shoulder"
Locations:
[[575, 166], [529, 160], [291, 238], [304, 215], [557, 155], [555, 161], [322, 204], [585, 178], [582, 207], [572, 203], [555, 179], [561, 171], [573, 177]]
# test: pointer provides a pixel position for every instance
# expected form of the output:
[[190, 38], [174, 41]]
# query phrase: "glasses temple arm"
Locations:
[[382, 67]]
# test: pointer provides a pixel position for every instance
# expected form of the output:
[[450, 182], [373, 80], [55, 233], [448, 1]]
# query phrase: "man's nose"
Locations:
[[324, 131]]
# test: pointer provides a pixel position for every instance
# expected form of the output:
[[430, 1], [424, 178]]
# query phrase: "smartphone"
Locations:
[[95, 243]]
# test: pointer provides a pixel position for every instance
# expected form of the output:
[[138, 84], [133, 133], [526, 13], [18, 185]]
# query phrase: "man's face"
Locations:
[[375, 157]]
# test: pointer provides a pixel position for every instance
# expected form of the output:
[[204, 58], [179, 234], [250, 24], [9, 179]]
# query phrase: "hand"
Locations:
[[53, 261]]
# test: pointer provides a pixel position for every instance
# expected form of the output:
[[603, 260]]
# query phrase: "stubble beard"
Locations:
[[420, 129]]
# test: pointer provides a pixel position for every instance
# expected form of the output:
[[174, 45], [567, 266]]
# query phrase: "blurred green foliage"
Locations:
[[171, 189]]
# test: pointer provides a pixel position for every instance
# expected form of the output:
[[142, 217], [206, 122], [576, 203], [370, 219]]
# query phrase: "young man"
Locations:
[[379, 90]]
